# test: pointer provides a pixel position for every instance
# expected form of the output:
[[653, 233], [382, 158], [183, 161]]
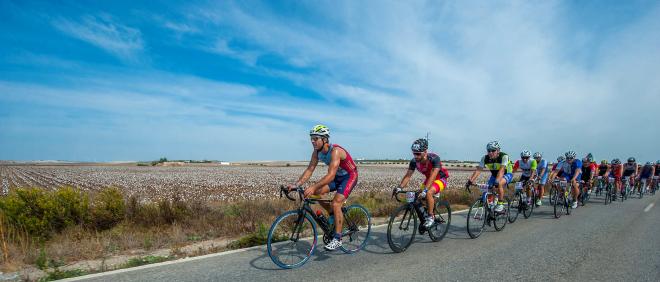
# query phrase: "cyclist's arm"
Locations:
[[406, 178], [476, 173], [534, 167], [314, 160], [335, 159]]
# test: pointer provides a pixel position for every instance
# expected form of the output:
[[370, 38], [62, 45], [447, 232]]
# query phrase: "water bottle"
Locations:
[[320, 215]]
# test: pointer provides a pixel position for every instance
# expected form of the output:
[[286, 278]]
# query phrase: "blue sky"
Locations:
[[94, 81]]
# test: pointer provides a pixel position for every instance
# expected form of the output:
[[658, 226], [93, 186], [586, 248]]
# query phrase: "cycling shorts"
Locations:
[[438, 185], [344, 184], [507, 176], [544, 179]]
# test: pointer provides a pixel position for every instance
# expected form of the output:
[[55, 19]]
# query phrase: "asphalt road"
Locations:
[[616, 242]]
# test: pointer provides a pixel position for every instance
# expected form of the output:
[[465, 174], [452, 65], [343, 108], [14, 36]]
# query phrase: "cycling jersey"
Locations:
[[526, 167], [540, 167], [558, 167], [616, 171], [494, 164], [587, 170], [646, 171], [432, 162], [346, 175], [571, 168], [629, 169], [602, 169]]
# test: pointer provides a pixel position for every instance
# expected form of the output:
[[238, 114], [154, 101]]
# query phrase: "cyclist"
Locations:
[[557, 168], [648, 170], [657, 172], [435, 175], [528, 167], [588, 172], [616, 171], [572, 171], [500, 168], [341, 177], [542, 172], [630, 170], [603, 169]]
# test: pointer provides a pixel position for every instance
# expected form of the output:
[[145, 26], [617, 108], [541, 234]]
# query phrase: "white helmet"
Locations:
[[493, 145], [320, 130], [525, 154]]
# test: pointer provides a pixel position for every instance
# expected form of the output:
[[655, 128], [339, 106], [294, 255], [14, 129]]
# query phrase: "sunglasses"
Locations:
[[315, 138], [491, 151], [417, 153]]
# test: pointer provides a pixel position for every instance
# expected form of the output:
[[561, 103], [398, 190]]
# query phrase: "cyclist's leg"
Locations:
[[437, 187], [504, 181], [541, 186], [344, 189], [528, 191]]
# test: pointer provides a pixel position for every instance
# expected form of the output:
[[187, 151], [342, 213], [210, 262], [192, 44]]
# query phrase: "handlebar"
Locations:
[[285, 191]]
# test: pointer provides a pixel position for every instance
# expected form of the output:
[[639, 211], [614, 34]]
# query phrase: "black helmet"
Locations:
[[631, 160], [420, 145]]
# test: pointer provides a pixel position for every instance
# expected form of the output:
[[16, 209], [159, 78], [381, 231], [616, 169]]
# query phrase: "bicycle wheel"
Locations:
[[356, 228], [442, 215], [291, 239], [515, 205], [568, 202], [476, 219], [402, 228], [527, 212], [641, 190], [608, 195], [551, 196], [558, 204], [502, 218]]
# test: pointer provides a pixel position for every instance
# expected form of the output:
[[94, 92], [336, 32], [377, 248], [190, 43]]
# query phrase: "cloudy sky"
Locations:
[[246, 80]]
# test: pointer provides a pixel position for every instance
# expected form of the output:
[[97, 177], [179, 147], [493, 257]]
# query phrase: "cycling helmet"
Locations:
[[320, 130], [525, 154], [658, 162], [561, 158], [538, 155], [493, 145], [570, 155], [590, 157], [420, 145], [603, 162], [631, 160], [649, 163], [616, 161], [585, 160]]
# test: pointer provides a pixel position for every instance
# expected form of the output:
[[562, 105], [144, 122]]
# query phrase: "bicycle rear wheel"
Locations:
[[476, 219], [608, 195], [356, 228], [515, 205], [442, 215], [291, 239], [551, 196]]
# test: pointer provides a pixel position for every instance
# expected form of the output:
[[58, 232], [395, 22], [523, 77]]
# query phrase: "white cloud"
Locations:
[[102, 31]]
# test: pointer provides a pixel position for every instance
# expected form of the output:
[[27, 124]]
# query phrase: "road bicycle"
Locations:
[[402, 226], [482, 211], [626, 190], [521, 202], [584, 192], [293, 236], [562, 198]]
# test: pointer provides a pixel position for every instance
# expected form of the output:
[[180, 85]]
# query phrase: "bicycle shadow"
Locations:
[[264, 262]]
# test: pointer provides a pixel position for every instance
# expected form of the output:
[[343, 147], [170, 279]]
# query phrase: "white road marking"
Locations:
[[648, 208]]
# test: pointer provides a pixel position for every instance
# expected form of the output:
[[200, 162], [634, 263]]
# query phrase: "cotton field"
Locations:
[[207, 183]]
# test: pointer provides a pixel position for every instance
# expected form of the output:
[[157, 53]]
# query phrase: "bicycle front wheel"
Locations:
[[442, 216], [502, 218], [551, 197], [292, 239], [476, 219], [356, 228], [402, 228], [558, 204], [527, 211]]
